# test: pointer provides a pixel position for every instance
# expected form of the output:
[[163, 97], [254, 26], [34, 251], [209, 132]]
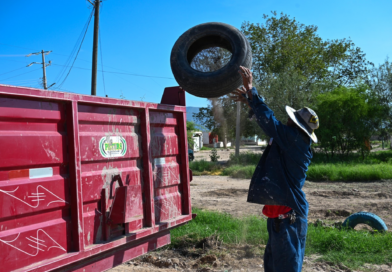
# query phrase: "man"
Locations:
[[279, 177]]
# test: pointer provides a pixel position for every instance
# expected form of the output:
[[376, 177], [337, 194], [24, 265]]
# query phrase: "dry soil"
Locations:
[[328, 201]]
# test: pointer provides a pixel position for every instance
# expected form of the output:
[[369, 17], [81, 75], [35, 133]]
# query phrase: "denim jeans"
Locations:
[[285, 249]]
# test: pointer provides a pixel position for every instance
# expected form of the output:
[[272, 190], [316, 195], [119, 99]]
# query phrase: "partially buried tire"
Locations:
[[367, 218], [203, 36]]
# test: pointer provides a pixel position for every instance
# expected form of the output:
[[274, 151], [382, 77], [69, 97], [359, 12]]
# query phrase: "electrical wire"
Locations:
[[34, 49], [21, 81], [61, 84], [132, 83], [21, 74], [14, 70], [73, 51], [100, 51], [112, 72]]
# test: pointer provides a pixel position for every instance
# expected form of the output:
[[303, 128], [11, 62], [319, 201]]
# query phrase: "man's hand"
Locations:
[[237, 95], [247, 78]]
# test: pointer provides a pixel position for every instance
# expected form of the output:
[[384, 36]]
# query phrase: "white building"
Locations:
[[198, 140]]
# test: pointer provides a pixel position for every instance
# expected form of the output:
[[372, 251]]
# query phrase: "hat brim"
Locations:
[[290, 111]]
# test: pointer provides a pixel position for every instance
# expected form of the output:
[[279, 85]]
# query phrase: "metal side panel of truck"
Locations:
[[86, 182]]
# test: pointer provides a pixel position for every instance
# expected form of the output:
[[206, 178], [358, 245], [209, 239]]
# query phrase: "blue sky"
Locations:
[[137, 37]]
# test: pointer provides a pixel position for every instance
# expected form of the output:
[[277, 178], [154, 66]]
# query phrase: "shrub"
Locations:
[[214, 155]]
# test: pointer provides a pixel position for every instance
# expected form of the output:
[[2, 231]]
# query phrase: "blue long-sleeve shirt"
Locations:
[[281, 171]]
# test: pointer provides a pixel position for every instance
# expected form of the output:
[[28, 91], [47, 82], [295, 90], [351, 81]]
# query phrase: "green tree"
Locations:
[[348, 118], [380, 81], [292, 64], [205, 117]]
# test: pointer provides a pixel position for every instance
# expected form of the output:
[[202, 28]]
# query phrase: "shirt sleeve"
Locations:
[[267, 121]]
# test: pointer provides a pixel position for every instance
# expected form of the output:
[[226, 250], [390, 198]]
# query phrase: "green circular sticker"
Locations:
[[112, 146]]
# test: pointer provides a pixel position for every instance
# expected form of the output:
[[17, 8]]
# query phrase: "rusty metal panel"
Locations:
[[66, 158]]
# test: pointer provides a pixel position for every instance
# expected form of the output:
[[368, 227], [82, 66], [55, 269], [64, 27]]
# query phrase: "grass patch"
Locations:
[[247, 158], [250, 230], [351, 172], [204, 167], [353, 158], [377, 166], [210, 148], [349, 247], [239, 171]]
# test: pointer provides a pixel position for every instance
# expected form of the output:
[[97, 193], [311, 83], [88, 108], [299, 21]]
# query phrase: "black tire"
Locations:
[[367, 218], [203, 36]]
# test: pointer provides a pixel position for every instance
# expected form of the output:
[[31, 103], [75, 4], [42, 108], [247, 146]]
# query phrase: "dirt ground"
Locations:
[[328, 201]]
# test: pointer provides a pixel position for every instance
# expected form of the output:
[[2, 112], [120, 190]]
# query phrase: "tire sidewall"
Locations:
[[184, 73]]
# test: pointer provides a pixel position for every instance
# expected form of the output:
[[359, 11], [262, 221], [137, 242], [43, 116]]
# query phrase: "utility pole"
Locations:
[[44, 65], [237, 130], [96, 4], [44, 69]]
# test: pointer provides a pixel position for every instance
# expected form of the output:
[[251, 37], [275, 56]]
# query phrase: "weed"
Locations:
[[214, 155]]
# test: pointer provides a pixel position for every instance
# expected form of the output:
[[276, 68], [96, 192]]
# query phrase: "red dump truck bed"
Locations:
[[87, 183]]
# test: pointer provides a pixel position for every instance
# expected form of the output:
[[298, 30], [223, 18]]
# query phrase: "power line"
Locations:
[[100, 51], [35, 49], [22, 80], [61, 84], [88, 62], [132, 83], [13, 70], [73, 51], [21, 74], [110, 72]]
